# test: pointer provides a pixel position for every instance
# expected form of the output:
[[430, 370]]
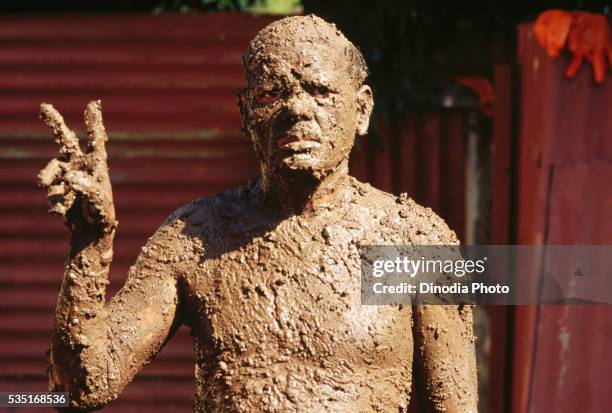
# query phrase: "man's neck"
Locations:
[[304, 192]]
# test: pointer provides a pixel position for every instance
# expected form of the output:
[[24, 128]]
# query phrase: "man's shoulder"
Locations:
[[205, 210], [416, 223], [422, 224], [190, 228]]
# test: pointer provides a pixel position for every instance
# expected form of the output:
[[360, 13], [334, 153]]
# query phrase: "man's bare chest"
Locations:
[[294, 290]]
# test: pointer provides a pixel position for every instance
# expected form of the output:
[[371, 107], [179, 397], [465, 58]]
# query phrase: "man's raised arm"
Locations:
[[98, 347]]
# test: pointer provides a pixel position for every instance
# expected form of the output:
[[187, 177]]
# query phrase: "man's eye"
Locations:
[[267, 96], [321, 92]]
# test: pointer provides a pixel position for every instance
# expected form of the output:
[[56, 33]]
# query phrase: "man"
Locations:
[[267, 276]]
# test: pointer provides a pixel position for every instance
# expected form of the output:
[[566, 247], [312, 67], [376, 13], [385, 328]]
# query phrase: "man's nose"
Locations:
[[299, 106]]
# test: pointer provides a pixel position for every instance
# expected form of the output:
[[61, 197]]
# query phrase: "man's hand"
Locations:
[[78, 184]]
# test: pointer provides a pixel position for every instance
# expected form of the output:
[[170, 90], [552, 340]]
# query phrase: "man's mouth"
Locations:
[[297, 142]]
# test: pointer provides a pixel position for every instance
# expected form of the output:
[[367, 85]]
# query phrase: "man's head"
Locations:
[[305, 98]]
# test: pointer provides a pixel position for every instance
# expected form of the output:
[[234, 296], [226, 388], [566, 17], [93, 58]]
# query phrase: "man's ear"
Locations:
[[243, 105], [365, 104], [242, 97]]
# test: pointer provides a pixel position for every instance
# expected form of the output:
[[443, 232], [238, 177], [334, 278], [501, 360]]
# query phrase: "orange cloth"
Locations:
[[586, 36]]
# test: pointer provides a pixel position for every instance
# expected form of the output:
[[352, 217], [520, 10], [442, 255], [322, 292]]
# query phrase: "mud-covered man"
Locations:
[[267, 276]]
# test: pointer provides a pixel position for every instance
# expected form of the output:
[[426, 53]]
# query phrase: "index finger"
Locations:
[[67, 139]]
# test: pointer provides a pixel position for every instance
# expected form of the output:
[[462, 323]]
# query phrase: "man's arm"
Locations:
[[445, 357], [97, 347]]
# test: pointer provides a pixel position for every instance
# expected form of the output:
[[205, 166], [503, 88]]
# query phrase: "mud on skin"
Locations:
[[267, 276]]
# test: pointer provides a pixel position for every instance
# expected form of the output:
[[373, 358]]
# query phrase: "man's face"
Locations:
[[303, 109]]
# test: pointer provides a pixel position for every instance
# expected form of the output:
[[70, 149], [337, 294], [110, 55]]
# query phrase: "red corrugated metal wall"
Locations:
[[168, 85], [561, 356]]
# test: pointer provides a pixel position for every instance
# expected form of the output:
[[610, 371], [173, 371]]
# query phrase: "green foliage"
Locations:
[[228, 5], [250, 6], [276, 7]]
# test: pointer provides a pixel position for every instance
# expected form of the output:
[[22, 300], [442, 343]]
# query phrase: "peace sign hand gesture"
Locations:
[[78, 184]]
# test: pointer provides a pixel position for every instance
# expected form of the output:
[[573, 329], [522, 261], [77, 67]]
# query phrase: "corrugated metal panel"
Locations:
[[565, 197], [501, 233], [168, 87]]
